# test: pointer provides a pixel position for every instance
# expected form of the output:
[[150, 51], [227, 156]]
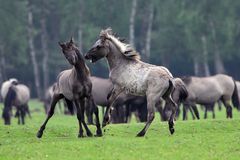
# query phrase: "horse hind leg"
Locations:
[[22, 114], [95, 110], [228, 108], [55, 99], [173, 106]]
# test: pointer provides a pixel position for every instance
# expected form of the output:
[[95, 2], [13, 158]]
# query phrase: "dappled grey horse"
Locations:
[[15, 94], [74, 85], [208, 90], [132, 76]]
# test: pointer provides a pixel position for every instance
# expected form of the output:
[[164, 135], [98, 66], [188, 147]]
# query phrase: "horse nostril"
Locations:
[[86, 56]]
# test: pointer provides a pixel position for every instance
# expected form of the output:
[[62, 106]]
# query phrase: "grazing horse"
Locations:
[[132, 76], [208, 90], [75, 85], [238, 87], [15, 94]]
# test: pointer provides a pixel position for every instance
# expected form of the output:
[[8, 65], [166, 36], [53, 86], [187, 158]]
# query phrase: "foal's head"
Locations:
[[70, 51]]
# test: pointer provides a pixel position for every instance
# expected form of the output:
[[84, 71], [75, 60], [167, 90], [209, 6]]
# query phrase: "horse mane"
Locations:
[[126, 49]]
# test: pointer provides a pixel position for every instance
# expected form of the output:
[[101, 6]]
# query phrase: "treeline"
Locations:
[[190, 37]]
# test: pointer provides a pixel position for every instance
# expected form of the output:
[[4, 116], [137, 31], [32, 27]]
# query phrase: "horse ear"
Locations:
[[62, 45], [71, 40]]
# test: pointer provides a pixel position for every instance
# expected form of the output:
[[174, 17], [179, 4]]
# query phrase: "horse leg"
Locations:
[[173, 106], [55, 99], [151, 102], [28, 111], [79, 117], [95, 110], [191, 111], [205, 112], [185, 109], [22, 114], [213, 112], [18, 115], [160, 110], [195, 110], [113, 96], [82, 107], [228, 108], [89, 112]]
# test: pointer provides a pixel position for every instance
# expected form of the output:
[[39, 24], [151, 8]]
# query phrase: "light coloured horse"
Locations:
[[208, 90], [132, 76], [75, 85], [18, 95]]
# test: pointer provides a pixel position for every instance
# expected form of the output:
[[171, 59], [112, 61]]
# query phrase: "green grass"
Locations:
[[193, 139]]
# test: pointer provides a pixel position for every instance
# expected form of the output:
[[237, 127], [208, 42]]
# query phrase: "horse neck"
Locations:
[[115, 58], [80, 67]]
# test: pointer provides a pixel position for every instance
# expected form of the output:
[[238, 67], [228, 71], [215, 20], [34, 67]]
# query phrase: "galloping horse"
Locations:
[[74, 85], [132, 76], [18, 95], [208, 90]]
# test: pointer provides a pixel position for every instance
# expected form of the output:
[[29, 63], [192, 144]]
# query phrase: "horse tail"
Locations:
[[183, 93], [170, 89], [235, 98]]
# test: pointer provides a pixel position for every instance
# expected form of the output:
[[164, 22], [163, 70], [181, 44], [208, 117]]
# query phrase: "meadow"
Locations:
[[193, 139]]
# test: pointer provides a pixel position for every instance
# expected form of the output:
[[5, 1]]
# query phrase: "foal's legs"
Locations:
[[56, 98], [79, 116], [95, 110], [82, 107]]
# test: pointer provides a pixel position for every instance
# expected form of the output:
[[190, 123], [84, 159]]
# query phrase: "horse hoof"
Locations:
[[89, 134], [171, 130], [98, 135], [39, 134], [140, 134], [80, 136]]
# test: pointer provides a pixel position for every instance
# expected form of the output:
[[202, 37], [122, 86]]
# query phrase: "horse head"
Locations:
[[70, 51]]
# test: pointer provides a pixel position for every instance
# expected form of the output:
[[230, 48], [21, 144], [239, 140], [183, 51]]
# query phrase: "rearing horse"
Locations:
[[75, 85], [132, 76]]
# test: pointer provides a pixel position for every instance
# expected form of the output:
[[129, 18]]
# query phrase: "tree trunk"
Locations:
[[149, 33], [196, 66], [205, 56], [32, 49], [131, 25], [219, 67], [44, 40], [80, 27]]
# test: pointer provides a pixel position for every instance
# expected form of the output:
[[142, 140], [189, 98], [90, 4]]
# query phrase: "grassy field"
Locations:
[[193, 139]]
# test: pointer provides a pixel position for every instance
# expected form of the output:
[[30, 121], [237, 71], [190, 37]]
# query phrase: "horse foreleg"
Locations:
[[185, 110], [79, 117], [228, 108], [205, 113], [55, 99], [28, 111], [22, 114], [111, 99], [82, 107]]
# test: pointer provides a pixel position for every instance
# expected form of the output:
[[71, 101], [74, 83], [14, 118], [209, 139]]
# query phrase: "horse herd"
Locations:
[[132, 86]]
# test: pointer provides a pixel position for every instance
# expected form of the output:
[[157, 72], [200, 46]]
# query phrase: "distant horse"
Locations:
[[48, 96], [132, 76], [179, 95], [18, 95], [208, 90], [238, 87], [75, 85]]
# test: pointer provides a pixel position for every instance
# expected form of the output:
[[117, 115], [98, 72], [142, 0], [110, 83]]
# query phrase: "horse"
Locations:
[[18, 95], [238, 87], [74, 85], [208, 90], [48, 98], [132, 76], [179, 95]]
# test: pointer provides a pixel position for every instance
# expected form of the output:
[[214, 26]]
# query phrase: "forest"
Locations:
[[189, 37]]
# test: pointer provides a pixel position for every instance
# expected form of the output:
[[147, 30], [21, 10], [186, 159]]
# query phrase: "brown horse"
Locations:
[[208, 90], [132, 76], [75, 85]]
